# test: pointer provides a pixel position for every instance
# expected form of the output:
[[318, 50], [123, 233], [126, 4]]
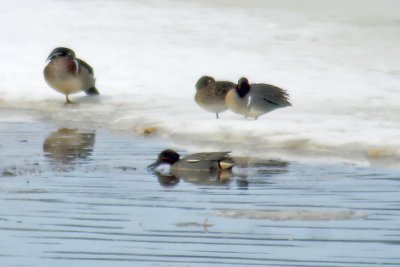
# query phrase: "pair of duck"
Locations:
[[68, 74], [250, 100]]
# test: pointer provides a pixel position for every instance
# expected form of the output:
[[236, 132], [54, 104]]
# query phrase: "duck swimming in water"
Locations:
[[208, 161]]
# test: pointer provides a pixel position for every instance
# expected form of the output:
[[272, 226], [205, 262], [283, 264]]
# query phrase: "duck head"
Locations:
[[167, 156], [243, 87], [61, 52], [204, 81]]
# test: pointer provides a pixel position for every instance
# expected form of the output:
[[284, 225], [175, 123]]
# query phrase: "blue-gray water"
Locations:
[[97, 205]]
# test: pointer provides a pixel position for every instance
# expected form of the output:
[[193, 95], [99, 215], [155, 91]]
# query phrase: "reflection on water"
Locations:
[[167, 180], [245, 167], [111, 211], [66, 145], [194, 177], [260, 163]]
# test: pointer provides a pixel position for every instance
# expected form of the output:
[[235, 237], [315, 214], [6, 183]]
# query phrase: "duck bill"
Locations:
[[153, 165]]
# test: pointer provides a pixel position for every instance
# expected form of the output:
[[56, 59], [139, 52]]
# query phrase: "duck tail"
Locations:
[[92, 91], [226, 164]]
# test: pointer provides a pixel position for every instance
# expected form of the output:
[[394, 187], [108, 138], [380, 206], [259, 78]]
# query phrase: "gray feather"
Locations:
[[271, 94], [206, 156], [86, 66]]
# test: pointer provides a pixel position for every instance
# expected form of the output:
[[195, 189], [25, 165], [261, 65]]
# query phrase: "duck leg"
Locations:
[[67, 101]]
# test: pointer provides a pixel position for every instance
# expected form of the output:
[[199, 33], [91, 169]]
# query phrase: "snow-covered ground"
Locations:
[[339, 60]]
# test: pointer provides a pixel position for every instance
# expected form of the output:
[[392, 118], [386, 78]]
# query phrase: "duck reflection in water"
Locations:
[[170, 179], [258, 171], [67, 145], [167, 179]]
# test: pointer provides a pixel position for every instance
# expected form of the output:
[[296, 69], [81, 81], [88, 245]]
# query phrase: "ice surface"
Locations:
[[284, 215], [338, 60]]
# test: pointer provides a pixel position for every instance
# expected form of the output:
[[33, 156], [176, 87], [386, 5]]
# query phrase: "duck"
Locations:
[[67, 74], [210, 94], [204, 162], [254, 100]]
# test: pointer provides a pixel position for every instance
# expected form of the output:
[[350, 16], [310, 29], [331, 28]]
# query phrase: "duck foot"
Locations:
[[67, 101]]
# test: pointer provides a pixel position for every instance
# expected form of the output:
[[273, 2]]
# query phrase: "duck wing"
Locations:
[[86, 66], [271, 94], [205, 156]]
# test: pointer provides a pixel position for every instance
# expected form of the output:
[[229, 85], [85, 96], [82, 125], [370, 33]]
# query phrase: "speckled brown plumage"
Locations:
[[210, 94]]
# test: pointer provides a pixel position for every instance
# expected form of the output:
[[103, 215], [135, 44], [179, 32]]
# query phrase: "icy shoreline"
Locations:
[[271, 136]]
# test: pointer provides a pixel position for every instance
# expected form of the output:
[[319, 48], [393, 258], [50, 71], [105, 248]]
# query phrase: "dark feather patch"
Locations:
[[271, 102], [86, 66]]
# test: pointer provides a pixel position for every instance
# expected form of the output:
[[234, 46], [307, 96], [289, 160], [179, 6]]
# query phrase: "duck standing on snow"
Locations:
[[210, 94], [67, 74], [254, 100]]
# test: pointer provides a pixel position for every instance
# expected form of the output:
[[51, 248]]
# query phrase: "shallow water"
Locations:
[[99, 205]]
